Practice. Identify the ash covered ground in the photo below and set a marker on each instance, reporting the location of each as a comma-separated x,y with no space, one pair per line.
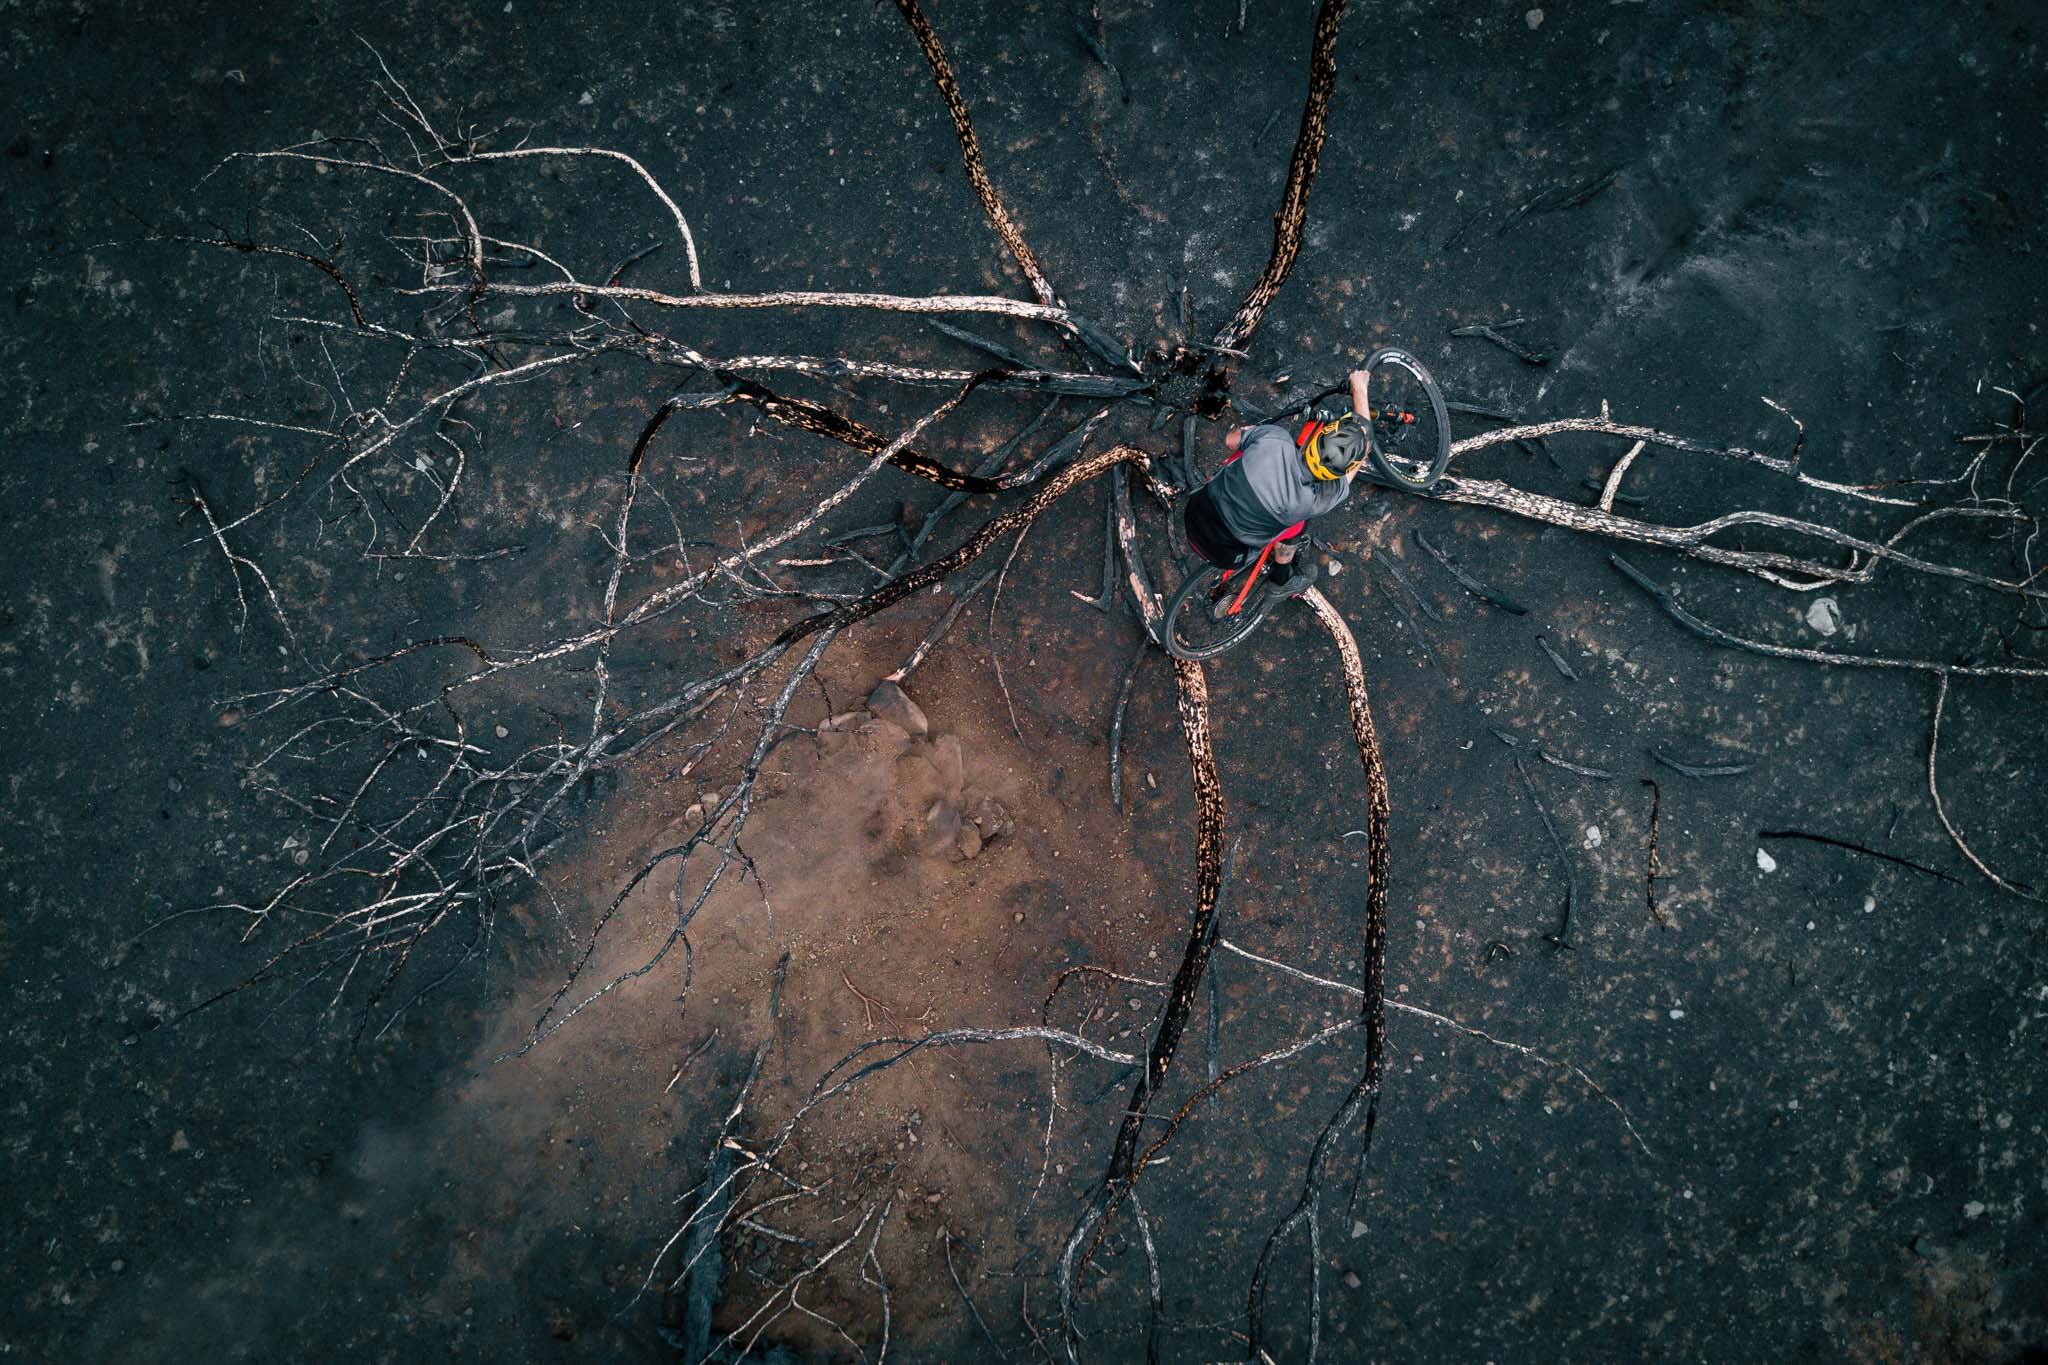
1830,1061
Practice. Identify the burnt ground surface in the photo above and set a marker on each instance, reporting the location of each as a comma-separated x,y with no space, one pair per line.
1835,1064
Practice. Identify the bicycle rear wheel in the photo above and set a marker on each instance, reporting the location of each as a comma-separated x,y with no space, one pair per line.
1410,429
1196,624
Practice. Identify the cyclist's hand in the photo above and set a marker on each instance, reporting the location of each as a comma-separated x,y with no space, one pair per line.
1361,385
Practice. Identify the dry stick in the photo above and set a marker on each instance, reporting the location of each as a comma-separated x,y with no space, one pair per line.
1068,321
1606,425
1715,635
1107,595
1557,660
1393,570
1152,1295
1564,858
682,224
1613,484
472,235
1301,174
327,268
1063,383
880,1282
946,1240
1116,727
980,343
806,415
970,152
1857,848
1373,985
1150,614
1213,1042
1650,872
1771,566
995,655
924,646
1581,769
1712,769
1933,790
1466,580
1456,1025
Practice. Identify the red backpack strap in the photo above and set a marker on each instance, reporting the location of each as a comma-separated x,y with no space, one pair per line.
1307,431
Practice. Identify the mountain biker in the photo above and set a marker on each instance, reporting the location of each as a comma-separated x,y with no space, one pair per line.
1270,487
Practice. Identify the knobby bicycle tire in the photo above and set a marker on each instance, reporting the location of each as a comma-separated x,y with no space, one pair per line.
1386,470
1196,590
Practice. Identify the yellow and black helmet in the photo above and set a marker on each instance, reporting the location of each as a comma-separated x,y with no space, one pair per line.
1334,448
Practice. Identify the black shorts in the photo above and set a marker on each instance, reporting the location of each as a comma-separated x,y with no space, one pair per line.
1210,537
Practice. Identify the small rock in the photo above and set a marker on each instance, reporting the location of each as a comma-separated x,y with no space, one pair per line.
934,1197
708,798
694,815
947,758
1765,862
1351,1279
1358,1229
1824,615
993,820
1594,837
1534,19
1016,917
969,841
118,1265
179,1142
891,703
561,1326
845,720
500,731
1973,1209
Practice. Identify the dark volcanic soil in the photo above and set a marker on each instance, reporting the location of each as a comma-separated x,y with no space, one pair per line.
1833,1062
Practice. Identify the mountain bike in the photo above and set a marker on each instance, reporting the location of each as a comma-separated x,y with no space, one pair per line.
1408,447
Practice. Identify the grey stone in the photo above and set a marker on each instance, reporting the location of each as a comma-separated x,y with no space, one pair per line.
891,703
993,821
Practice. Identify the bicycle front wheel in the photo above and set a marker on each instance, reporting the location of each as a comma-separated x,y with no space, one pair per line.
1410,429
1198,621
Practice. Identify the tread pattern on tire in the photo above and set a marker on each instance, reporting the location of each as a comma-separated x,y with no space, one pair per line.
1255,615
1384,468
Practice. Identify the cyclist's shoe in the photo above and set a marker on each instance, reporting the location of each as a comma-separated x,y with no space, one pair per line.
1302,579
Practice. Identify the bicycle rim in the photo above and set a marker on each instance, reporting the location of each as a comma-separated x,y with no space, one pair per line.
1411,429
